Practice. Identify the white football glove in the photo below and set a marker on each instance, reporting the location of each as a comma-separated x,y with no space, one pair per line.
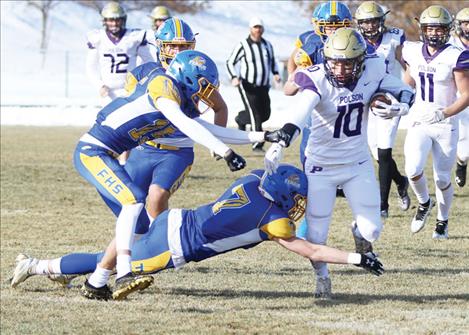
386,111
435,117
273,156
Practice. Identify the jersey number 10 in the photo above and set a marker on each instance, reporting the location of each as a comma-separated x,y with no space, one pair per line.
343,120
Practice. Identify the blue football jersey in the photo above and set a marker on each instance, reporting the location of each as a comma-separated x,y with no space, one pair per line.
240,218
129,121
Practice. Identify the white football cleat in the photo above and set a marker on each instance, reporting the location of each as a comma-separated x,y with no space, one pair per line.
441,230
23,267
421,217
323,288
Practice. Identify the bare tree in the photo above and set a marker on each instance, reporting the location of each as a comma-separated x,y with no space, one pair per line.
178,6
45,7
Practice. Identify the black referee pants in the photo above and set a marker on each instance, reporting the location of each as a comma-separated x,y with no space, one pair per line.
256,102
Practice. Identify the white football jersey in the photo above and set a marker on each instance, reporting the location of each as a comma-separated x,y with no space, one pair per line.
435,87
339,120
386,48
456,41
114,58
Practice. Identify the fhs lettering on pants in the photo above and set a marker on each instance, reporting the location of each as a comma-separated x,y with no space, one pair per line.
111,183
108,179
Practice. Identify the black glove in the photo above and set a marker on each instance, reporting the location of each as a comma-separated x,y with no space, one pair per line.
234,161
284,134
371,263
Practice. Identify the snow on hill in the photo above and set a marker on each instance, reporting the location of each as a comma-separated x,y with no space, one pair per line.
61,85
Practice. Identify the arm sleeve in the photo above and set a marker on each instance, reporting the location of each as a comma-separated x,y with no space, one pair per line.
306,101
234,58
232,136
188,126
92,68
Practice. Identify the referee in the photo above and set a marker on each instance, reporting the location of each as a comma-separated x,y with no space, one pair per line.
256,58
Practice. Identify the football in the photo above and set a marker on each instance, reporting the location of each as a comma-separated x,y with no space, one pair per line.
379,96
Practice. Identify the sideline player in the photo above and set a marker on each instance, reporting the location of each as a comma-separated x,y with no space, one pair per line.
437,70
386,42
113,51
255,208
461,39
336,95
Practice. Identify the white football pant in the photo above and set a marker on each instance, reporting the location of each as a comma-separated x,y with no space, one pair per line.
441,139
362,191
381,133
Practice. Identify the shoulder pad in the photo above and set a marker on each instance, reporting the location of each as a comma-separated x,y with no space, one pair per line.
162,86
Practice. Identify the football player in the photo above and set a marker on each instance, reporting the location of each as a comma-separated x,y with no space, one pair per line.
335,95
327,18
437,70
161,170
158,15
255,208
386,42
113,51
461,39
164,109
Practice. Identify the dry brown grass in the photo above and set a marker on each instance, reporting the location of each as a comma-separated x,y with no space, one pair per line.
48,210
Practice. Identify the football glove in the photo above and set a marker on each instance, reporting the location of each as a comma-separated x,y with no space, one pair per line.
435,117
273,156
284,134
371,263
386,111
235,162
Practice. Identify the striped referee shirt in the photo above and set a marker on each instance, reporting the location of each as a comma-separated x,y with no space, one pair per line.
257,61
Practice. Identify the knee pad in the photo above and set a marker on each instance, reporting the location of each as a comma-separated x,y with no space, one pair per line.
442,183
369,229
317,232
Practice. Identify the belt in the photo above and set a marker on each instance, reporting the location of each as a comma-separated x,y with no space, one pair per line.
162,146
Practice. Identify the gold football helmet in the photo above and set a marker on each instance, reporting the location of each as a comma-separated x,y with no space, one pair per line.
435,16
344,55
370,18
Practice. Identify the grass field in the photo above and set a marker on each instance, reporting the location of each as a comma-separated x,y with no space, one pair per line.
47,210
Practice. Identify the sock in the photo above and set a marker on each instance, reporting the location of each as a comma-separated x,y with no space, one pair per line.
384,173
123,266
444,200
54,266
99,277
125,227
41,268
321,269
420,189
